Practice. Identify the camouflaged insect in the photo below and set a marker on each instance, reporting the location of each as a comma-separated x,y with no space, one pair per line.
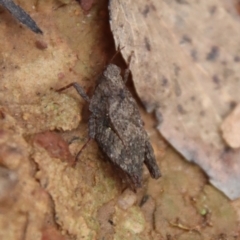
116,125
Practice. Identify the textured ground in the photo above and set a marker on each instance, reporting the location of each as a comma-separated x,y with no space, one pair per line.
41,195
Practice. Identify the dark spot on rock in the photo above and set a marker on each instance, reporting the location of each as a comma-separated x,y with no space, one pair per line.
226,149
176,69
193,98
194,54
164,81
185,39
177,88
224,63
213,54
212,9
182,1
146,11
152,7
216,80
147,44
237,59
232,104
227,73
176,128
202,113
181,109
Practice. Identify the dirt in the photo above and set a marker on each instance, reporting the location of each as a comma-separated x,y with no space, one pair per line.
51,199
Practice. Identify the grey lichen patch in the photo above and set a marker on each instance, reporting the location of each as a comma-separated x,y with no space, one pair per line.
52,111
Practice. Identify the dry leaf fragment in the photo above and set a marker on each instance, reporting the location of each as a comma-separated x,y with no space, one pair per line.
186,69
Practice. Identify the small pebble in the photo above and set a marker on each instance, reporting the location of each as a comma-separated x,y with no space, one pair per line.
127,199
